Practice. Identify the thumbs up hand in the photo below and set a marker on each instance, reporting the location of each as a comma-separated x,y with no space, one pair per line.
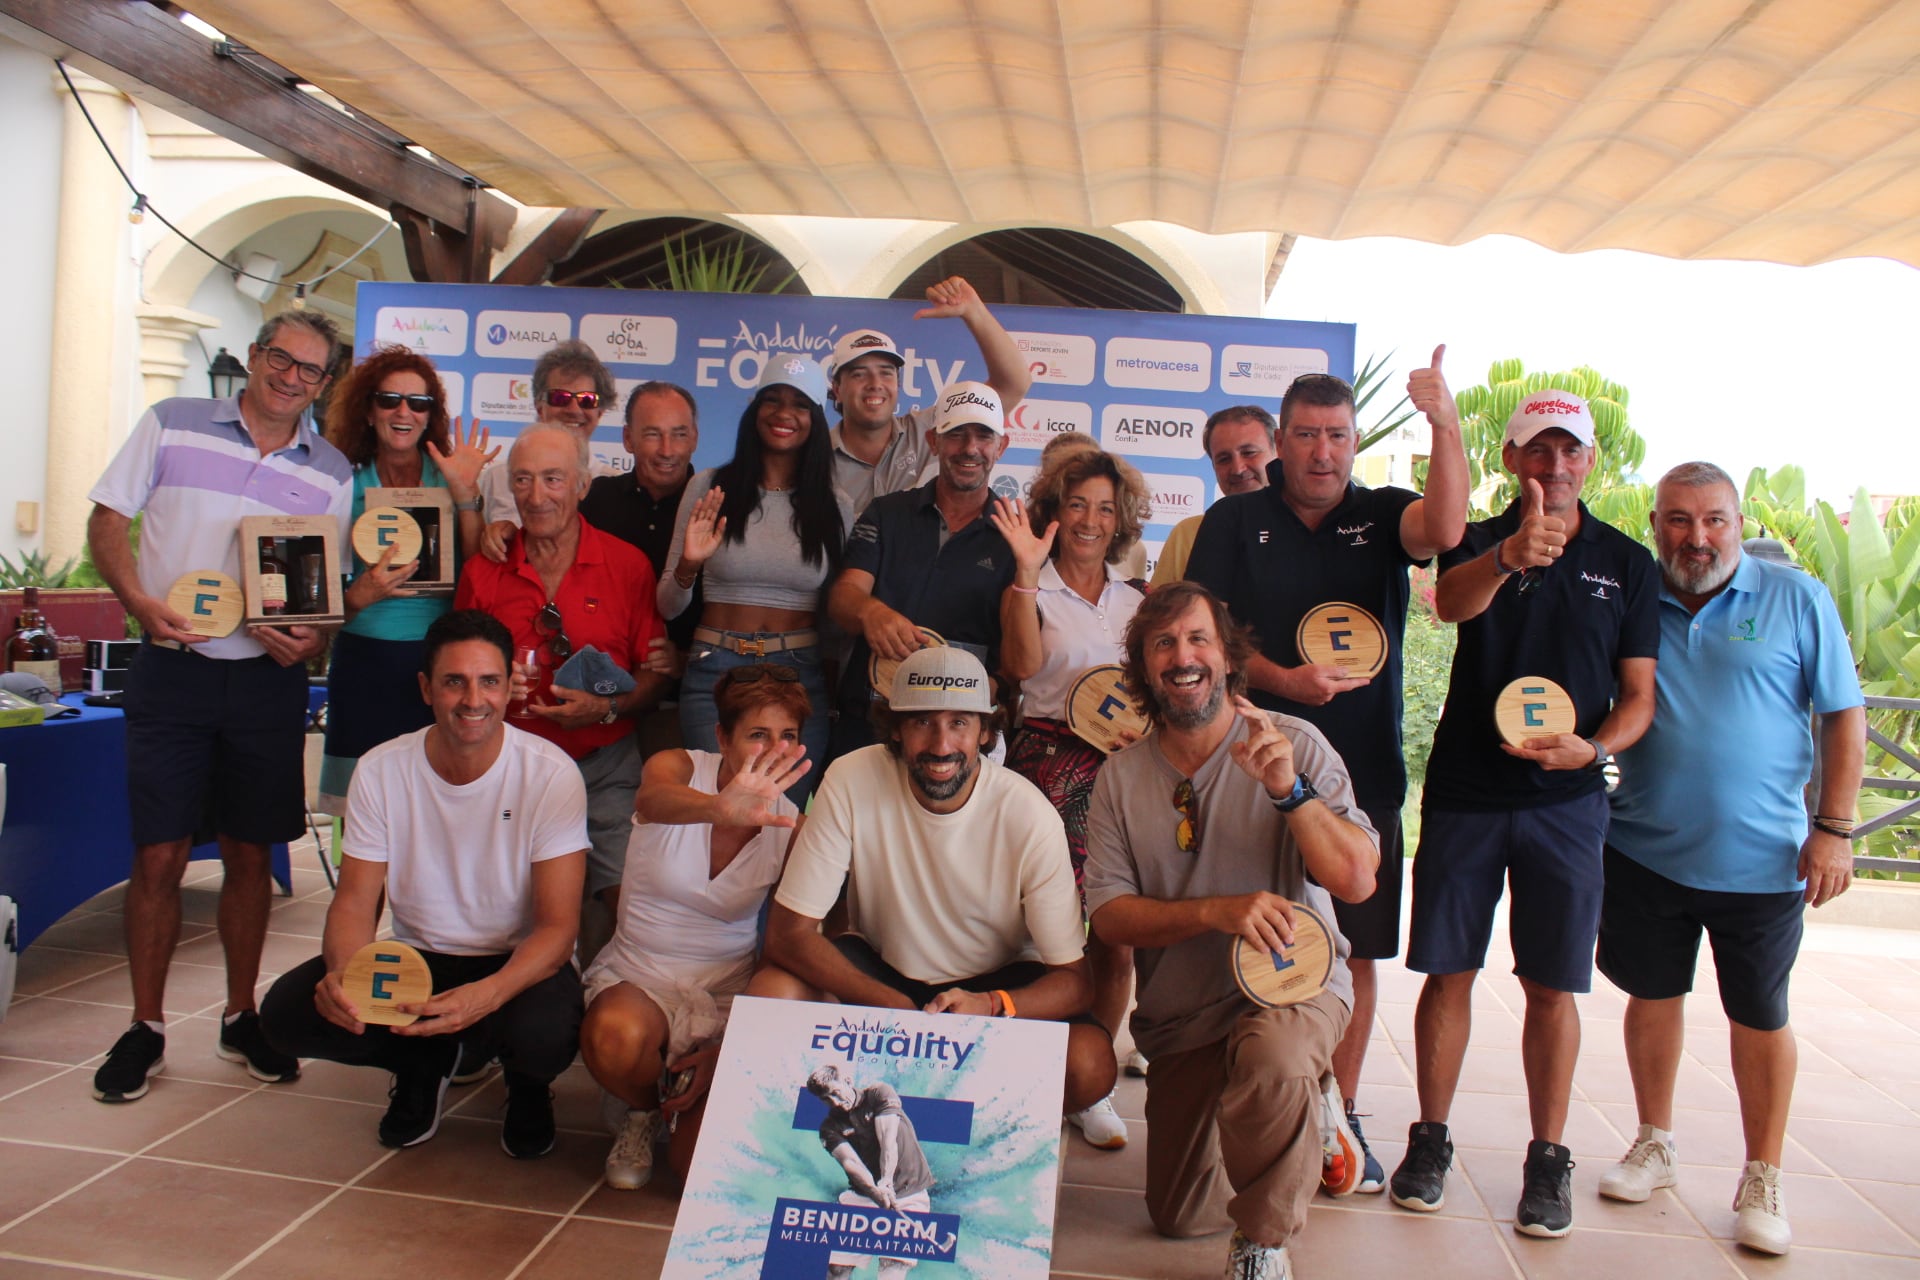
1540,539
1427,389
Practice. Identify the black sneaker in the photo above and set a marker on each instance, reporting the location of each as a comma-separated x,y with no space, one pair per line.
1420,1183
1546,1196
413,1104
242,1040
528,1131
1373,1179
140,1052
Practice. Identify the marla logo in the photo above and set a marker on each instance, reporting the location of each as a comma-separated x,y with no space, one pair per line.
1554,406
917,681
499,333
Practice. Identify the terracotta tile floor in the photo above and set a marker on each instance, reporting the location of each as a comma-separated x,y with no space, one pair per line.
212,1175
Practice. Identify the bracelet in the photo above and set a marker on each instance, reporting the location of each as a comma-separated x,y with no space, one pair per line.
1848,823
683,585
1499,565
1845,833
1025,591
1006,1004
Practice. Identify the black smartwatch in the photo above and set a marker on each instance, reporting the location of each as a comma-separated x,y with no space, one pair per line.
1601,756
1302,792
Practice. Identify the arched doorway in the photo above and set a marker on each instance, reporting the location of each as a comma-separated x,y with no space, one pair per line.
634,255
1049,267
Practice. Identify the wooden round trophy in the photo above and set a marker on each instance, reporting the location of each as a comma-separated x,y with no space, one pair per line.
1343,635
209,600
1532,707
880,670
1275,979
383,527
1099,708
384,974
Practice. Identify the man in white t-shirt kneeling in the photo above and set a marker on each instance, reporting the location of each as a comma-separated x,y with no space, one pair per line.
478,833
960,894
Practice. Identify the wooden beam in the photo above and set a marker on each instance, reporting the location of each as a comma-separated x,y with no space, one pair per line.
559,241
455,255
149,55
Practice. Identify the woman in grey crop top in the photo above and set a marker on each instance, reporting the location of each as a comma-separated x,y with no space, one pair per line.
766,532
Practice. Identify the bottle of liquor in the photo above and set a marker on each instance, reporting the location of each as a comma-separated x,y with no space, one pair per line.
273,578
33,648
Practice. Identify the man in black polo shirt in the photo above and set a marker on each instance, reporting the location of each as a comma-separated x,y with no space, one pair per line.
1543,589
1312,537
662,431
926,557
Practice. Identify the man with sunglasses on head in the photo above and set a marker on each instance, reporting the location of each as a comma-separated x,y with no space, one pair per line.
1312,537
1213,828
215,727
1544,591
876,448
566,586
571,389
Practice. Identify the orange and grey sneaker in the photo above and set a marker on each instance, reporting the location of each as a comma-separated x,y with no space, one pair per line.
1342,1161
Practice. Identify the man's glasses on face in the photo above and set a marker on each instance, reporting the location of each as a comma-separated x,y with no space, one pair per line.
281,361
548,620
587,400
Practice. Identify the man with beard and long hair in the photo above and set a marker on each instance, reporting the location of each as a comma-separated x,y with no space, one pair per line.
1208,829
1749,651
960,896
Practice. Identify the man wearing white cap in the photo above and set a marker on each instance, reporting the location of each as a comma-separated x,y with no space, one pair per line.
927,557
876,448
959,890
1547,592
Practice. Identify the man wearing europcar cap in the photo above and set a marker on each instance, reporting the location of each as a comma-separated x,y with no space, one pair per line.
926,557
1546,590
876,448
960,897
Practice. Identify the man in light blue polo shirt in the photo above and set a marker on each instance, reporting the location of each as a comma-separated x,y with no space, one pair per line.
1710,829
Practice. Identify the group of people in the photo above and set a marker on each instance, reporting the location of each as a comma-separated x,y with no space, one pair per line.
797,727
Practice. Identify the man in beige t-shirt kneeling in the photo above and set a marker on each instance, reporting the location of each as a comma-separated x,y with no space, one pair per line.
960,896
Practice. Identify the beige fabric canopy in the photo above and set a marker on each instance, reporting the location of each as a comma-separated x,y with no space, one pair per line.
1771,129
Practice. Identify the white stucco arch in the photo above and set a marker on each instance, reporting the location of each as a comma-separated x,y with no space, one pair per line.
771,231
174,269
1196,290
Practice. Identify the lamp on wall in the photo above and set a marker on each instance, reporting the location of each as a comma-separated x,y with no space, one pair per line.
225,375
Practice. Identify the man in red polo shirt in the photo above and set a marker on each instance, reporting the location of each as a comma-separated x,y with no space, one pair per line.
564,586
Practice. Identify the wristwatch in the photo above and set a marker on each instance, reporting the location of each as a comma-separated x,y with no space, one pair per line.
613,711
1303,791
1601,756
472,504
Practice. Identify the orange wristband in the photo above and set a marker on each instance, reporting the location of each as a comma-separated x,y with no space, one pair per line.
1006,1004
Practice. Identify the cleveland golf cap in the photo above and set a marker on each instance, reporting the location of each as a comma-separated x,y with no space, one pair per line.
786,369
969,404
1550,408
863,342
941,678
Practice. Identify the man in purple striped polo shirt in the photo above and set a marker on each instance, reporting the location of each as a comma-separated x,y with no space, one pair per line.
215,728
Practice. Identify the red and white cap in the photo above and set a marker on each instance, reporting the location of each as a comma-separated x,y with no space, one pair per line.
1547,409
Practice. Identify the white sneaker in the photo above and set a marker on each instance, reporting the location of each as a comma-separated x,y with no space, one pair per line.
1760,1220
1100,1125
1135,1065
613,1114
1647,1167
1249,1261
630,1163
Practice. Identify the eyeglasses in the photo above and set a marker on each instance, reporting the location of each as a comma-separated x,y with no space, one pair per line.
763,671
1529,579
393,400
1187,834
311,374
548,619
587,400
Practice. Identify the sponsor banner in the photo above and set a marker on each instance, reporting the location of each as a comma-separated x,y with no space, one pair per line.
1153,550
1159,364
1012,480
1031,423
1131,379
1157,431
974,1146
1175,497
456,387
1265,373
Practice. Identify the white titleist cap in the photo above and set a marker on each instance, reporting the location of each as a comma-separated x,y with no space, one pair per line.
969,404
941,678
1550,408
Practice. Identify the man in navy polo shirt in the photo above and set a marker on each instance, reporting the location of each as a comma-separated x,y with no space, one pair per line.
926,557
1311,537
1543,590
1748,651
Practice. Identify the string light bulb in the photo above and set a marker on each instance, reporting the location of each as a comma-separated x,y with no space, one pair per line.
299,297
138,214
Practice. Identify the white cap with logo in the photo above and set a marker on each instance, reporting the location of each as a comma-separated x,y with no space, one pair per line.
969,404
862,342
941,678
1547,409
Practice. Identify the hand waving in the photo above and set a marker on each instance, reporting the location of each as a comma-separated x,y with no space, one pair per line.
752,795
1030,552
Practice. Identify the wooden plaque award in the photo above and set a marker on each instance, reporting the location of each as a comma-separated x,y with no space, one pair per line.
209,600
880,670
1276,979
1099,708
1532,707
383,974
1343,635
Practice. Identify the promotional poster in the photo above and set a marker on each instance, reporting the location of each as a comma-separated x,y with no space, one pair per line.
848,1137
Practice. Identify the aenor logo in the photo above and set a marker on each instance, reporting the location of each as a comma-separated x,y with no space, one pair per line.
1160,431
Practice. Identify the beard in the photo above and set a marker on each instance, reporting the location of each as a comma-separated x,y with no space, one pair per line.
1698,579
1191,715
937,788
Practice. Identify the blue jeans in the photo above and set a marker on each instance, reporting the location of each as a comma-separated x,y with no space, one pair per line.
699,717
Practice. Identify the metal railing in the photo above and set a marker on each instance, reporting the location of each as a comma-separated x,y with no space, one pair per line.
1901,815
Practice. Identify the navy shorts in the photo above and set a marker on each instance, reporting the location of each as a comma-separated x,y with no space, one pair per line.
1372,928
1650,941
1550,857
215,747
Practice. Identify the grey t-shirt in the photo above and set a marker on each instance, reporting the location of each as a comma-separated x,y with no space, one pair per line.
901,463
765,568
1187,996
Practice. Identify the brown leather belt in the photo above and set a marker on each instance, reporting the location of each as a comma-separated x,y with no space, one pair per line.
757,646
